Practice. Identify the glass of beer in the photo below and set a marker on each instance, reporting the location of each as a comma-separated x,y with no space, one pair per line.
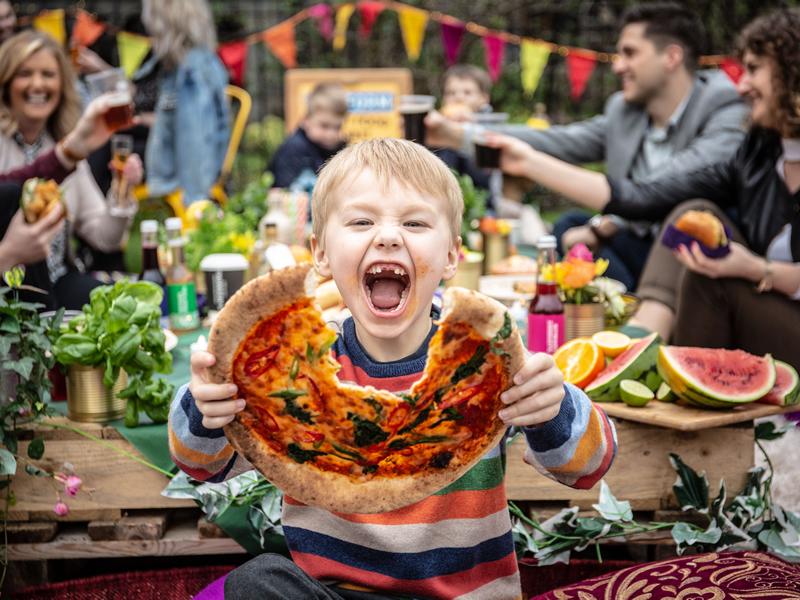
121,202
112,81
413,108
487,157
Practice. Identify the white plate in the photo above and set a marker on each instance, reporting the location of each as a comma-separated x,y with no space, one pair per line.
171,340
501,287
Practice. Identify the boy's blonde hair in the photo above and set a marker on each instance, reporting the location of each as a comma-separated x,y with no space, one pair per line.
330,97
390,160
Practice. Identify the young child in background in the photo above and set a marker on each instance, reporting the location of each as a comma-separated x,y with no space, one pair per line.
317,138
391,203
466,87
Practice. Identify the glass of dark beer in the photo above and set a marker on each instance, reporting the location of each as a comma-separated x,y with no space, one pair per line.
413,109
487,157
113,82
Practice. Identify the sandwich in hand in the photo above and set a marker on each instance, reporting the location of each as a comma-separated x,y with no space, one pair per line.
39,197
698,226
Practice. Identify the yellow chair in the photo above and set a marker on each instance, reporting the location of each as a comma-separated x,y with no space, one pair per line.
236,96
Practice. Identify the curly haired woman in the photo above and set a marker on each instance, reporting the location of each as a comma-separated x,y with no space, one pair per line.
749,299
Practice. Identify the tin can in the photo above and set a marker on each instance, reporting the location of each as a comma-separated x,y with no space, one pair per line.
88,400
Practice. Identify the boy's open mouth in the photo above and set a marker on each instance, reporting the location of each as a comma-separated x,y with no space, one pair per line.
386,286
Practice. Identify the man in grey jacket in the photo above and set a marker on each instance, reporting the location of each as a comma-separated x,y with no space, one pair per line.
667,119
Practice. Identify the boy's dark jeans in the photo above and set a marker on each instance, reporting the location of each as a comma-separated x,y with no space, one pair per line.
275,577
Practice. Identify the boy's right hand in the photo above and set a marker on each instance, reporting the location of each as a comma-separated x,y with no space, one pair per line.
214,400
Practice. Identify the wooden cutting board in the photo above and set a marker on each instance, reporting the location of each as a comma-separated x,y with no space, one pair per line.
685,418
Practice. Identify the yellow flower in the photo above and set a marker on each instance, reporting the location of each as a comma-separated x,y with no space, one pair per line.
600,266
243,242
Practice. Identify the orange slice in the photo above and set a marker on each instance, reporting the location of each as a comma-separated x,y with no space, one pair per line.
611,343
580,360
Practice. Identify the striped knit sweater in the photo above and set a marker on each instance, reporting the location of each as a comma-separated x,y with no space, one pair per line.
456,543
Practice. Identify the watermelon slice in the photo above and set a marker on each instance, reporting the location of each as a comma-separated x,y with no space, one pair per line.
786,390
631,364
714,377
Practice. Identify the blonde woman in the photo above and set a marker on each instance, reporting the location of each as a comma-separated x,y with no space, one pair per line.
188,140
38,107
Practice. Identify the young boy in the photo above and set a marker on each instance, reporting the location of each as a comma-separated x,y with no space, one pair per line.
392,203
317,139
468,86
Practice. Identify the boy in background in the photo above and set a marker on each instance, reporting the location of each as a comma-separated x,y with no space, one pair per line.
391,203
318,137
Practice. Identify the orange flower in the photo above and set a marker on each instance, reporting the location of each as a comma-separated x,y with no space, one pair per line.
578,273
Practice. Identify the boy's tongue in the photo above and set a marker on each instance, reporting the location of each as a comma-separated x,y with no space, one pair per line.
386,292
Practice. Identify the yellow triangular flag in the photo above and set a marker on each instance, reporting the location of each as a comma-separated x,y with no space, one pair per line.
132,50
533,59
343,14
51,22
412,26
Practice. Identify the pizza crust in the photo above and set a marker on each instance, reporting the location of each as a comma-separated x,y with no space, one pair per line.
305,482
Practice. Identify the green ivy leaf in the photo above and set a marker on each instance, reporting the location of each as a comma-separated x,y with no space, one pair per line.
690,489
610,508
687,535
36,448
23,366
768,431
8,464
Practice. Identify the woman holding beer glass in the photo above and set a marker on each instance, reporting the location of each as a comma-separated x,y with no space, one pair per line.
38,106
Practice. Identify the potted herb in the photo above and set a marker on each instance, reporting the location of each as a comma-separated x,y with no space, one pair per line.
25,359
112,350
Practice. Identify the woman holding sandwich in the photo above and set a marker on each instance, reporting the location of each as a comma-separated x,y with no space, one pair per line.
750,298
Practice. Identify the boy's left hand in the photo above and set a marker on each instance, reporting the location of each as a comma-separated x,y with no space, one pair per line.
536,395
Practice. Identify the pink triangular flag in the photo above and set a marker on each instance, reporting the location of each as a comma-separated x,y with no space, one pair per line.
369,12
452,32
732,68
579,69
323,16
494,47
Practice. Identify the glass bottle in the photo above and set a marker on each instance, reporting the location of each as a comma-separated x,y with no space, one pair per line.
546,311
284,225
150,269
277,255
181,292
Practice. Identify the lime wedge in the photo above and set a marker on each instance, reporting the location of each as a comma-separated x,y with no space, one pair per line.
634,393
664,393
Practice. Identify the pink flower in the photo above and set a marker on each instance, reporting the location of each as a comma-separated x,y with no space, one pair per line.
61,509
580,252
72,485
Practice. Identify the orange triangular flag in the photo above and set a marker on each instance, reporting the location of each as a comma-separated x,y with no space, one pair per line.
280,41
86,29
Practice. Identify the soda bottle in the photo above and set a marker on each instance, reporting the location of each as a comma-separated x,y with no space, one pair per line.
546,311
150,269
181,292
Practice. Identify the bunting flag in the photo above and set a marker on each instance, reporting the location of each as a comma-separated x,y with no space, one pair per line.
280,41
533,59
234,56
323,16
494,47
369,12
452,32
343,14
579,69
732,68
412,27
86,29
51,22
132,49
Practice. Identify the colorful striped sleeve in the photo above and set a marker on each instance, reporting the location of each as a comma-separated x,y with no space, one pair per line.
202,453
576,447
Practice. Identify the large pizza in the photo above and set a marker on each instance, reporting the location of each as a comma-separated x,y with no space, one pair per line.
349,448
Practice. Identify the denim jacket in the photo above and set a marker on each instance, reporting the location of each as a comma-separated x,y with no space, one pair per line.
187,143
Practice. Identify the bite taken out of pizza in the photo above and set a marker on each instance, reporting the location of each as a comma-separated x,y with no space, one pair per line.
358,449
